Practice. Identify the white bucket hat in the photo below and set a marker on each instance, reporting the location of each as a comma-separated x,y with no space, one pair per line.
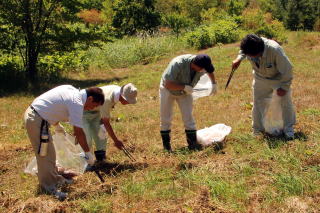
129,92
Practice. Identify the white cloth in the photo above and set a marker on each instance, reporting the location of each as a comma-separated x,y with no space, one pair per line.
63,103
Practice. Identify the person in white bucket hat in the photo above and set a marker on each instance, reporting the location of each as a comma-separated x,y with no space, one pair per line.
92,119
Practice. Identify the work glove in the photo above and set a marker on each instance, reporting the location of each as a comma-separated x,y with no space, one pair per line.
59,129
89,158
214,89
188,89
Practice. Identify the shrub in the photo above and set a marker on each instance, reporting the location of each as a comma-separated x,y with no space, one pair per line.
176,22
252,18
199,38
56,65
92,16
224,31
275,31
12,74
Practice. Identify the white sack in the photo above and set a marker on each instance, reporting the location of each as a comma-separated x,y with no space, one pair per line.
202,88
272,120
68,155
213,134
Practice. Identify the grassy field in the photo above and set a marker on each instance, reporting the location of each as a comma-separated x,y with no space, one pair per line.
248,175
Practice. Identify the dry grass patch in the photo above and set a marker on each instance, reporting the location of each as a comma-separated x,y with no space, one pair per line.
247,175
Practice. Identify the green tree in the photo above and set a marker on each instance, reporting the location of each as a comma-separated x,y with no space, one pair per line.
131,16
176,22
35,27
301,14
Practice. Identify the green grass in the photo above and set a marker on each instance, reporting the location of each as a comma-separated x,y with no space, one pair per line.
248,175
130,51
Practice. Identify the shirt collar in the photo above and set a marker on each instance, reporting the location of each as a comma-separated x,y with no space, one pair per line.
83,94
116,94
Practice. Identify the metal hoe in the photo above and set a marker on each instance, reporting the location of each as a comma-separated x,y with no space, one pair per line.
127,153
230,76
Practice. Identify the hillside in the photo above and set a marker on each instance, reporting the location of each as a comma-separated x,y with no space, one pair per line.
248,175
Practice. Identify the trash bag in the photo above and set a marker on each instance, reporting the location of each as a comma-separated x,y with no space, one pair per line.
68,155
202,88
272,118
213,134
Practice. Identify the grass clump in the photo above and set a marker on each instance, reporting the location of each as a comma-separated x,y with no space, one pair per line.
133,50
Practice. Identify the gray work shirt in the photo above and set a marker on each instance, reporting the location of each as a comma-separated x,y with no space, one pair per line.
179,71
272,65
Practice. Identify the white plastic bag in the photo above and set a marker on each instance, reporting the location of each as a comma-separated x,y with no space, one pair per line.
202,88
272,119
68,155
213,134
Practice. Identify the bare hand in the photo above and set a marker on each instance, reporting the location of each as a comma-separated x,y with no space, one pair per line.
118,144
281,92
236,63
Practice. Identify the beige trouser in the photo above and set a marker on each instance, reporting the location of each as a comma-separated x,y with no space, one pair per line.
185,103
47,172
262,89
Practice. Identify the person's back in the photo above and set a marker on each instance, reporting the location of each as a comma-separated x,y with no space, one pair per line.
56,104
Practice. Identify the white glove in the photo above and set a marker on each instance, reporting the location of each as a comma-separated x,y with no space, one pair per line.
214,89
188,89
89,158
59,128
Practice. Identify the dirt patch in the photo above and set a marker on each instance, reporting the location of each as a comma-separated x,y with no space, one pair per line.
38,205
295,204
313,161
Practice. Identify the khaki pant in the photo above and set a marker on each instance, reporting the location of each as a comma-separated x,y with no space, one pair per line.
47,172
262,89
185,103
91,126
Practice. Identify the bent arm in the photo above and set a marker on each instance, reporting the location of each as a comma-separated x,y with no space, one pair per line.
81,138
107,125
212,78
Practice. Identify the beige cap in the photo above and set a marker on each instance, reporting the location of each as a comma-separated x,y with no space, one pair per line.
129,92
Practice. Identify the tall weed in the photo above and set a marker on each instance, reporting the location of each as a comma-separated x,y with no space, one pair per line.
133,50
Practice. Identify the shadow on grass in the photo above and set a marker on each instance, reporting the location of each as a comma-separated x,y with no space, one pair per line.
216,147
277,141
10,88
114,169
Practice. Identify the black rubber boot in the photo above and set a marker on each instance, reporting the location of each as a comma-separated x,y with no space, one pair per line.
100,155
165,135
192,140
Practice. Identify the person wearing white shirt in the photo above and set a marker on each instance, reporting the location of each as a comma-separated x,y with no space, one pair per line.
60,104
127,94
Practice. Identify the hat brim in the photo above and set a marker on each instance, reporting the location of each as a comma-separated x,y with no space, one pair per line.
130,101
